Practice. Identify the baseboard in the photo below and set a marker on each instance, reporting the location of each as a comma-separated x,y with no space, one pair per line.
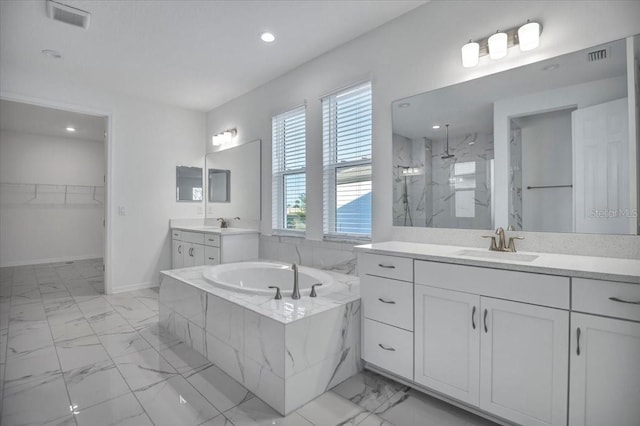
49,260
132,287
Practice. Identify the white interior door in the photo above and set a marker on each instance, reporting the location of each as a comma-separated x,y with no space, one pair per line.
601,181
447,342
605,372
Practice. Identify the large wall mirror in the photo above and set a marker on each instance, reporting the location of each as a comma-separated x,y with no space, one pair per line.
233,183
189,183
548,147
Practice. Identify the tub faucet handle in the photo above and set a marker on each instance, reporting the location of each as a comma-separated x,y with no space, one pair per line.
313,290
278,296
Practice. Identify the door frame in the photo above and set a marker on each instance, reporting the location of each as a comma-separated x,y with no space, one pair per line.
108,167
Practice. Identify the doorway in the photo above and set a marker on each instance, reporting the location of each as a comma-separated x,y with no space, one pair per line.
53,195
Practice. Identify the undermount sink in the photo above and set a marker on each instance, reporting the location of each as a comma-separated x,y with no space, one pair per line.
498,255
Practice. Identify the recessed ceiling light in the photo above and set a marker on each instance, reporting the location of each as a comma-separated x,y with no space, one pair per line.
267,37
436,126
71,129
404,105
551,67
52,54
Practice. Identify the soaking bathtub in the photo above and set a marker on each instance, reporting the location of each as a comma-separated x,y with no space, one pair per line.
287,352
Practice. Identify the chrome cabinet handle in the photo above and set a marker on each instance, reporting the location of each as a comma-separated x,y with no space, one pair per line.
486,329
390,302
382,265
578,341
278,296
631,302
473,318
191,252
180,249
212,258
386,348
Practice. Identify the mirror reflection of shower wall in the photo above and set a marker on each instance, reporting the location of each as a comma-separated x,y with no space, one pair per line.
441,192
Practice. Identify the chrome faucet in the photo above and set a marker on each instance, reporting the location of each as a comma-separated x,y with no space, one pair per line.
223,222
501,244
296,288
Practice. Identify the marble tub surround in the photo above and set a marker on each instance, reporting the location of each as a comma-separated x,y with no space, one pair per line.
604,268
326,255
286,352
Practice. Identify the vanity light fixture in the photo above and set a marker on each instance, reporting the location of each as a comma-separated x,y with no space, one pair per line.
497,45
470,54
223,137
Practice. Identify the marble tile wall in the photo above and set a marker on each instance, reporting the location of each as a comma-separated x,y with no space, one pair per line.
284,364
515,179
412,154
327,255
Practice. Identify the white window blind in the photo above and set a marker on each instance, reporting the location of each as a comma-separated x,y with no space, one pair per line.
289,206
346,138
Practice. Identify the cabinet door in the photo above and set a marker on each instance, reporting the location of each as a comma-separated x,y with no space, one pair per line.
197,252
523,362
447,342
605,371
177,260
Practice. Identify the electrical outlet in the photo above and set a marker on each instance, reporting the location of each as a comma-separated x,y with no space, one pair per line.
199,210
122,211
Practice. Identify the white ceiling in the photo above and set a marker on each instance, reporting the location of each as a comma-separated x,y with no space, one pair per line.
192,54
19,117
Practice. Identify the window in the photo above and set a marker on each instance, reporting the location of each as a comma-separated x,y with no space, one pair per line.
346,138
289,202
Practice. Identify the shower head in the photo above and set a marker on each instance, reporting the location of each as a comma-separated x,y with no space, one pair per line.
446,155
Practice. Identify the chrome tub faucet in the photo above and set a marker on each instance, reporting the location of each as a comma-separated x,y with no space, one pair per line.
296,287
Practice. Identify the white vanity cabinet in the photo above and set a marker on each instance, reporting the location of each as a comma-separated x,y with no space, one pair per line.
605,354
193,248
386,289
507,357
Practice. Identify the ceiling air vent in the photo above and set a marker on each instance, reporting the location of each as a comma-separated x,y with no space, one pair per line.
598,55
70,15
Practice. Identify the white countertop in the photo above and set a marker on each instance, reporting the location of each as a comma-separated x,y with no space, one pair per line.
345,289
603,268
216,230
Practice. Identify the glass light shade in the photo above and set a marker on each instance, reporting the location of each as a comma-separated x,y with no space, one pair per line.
498,46
470,54
529,36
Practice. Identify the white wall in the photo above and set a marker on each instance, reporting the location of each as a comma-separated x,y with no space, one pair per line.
547,160
417,52
147,141
47,229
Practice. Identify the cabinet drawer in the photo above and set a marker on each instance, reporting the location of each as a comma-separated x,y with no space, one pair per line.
388,301
211,255
594,296
399,268
527,287
212,240
388,347
193,237
176,235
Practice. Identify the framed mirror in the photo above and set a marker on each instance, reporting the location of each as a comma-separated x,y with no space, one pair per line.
219,184
547,147
239,196
189,184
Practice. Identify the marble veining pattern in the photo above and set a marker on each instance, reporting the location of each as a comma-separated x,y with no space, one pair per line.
35,390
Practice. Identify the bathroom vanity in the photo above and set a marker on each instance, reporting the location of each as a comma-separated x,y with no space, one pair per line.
199,245
530,338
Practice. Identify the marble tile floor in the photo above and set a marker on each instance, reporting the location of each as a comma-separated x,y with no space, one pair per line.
71,355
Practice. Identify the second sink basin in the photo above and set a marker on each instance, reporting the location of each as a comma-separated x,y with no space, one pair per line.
498,255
